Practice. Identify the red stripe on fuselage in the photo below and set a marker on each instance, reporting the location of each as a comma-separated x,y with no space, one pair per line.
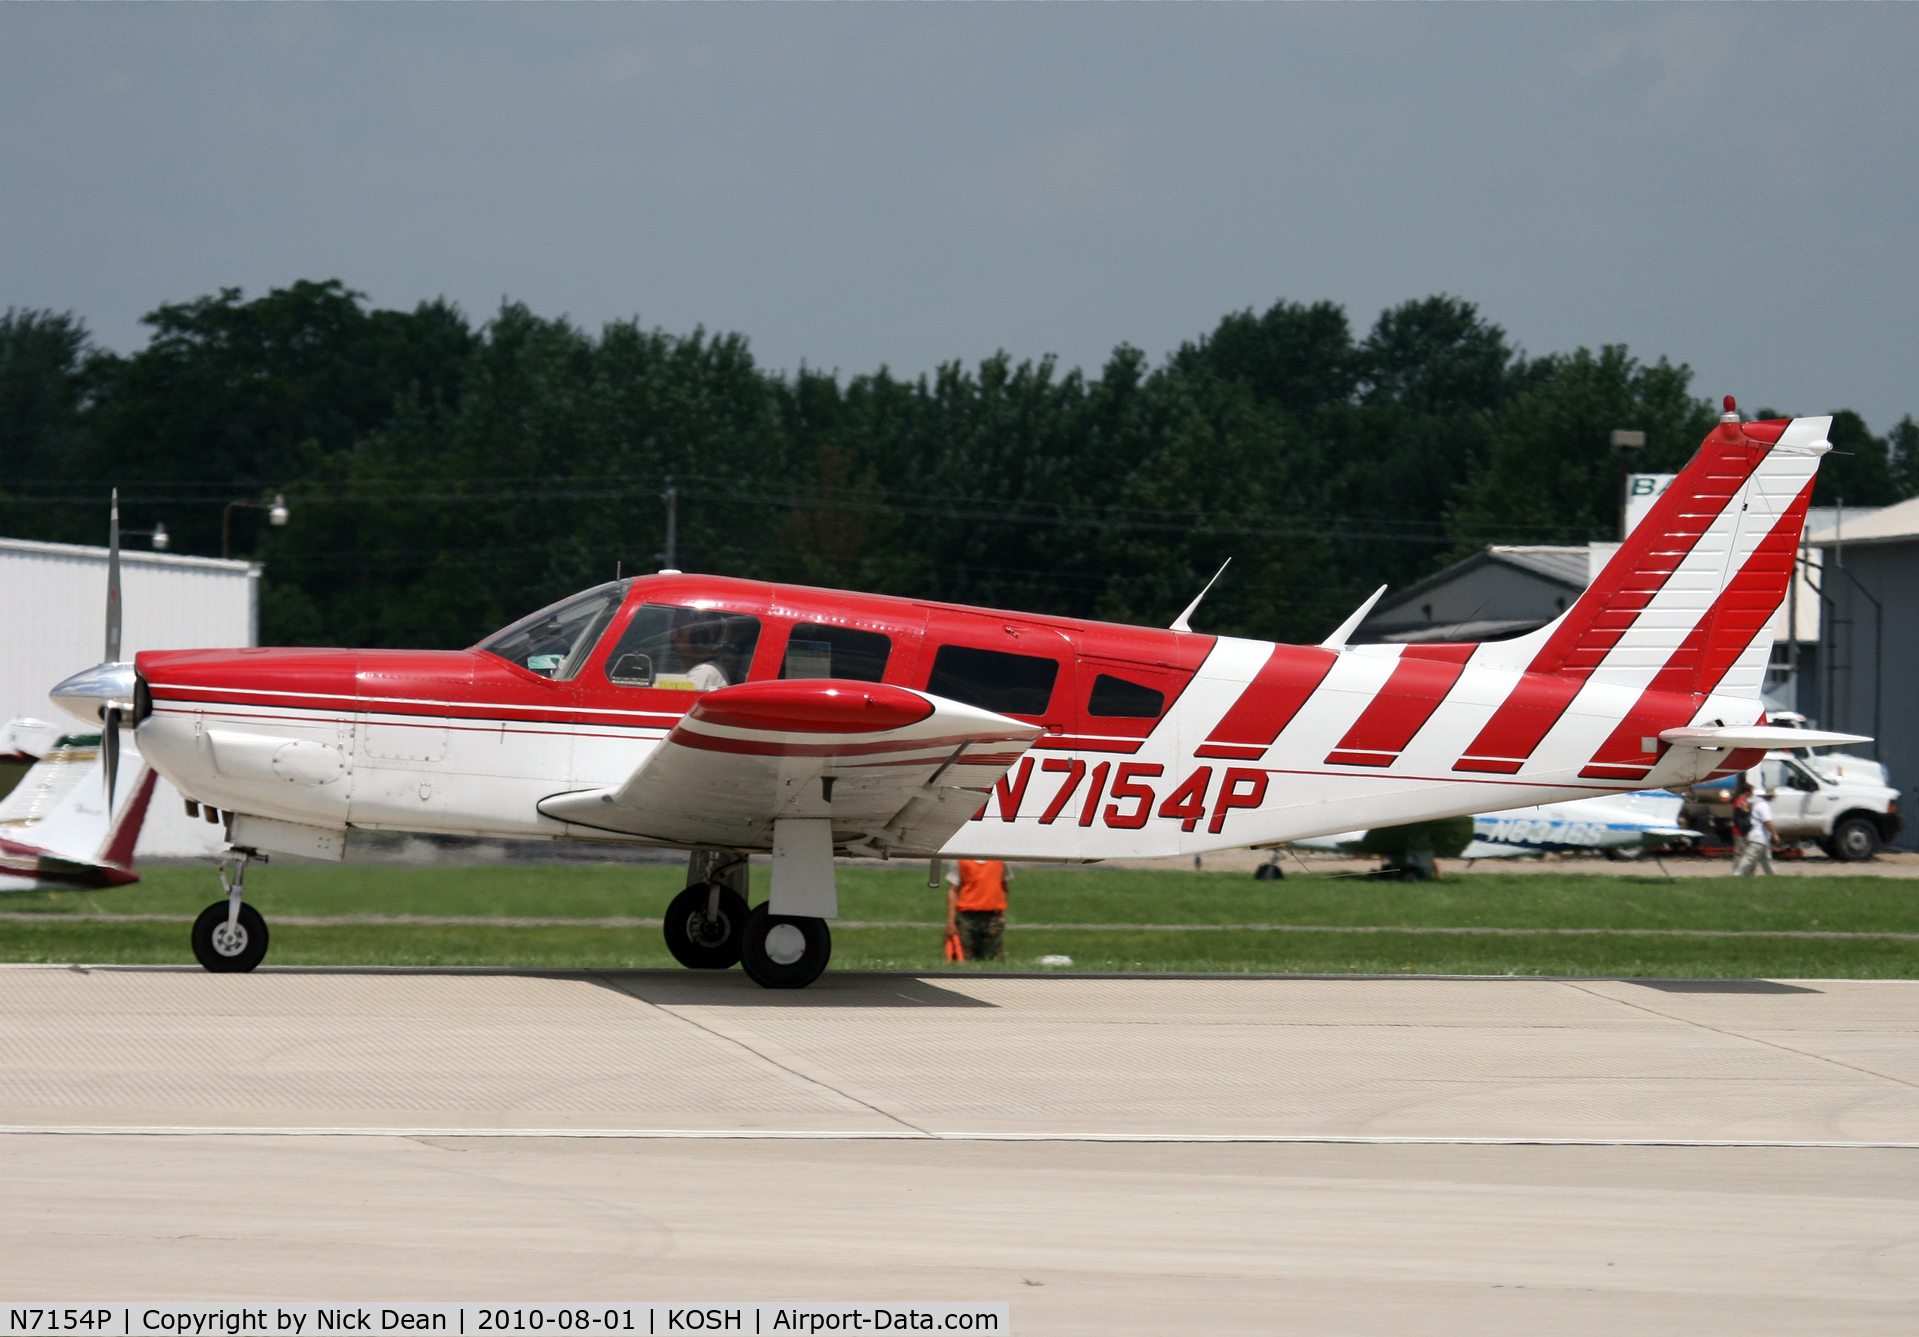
1610,606
1419,682
1710,649
1291,674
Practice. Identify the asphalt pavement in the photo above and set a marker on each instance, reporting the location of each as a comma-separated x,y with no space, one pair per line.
1107,1154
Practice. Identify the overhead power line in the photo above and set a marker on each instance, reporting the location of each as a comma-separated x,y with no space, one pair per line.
972,509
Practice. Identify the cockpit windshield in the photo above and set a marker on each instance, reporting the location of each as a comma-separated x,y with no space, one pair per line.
556,640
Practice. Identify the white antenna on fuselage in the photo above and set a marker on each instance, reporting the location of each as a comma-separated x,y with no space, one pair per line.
1337,641
1183,621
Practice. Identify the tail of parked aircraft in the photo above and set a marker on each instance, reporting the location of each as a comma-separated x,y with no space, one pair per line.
1683,611
57,830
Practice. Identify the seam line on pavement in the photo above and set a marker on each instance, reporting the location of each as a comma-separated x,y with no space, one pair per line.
929,1135
1750,1039
738,1043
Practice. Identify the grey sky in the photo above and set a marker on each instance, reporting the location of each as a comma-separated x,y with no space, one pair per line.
1733,186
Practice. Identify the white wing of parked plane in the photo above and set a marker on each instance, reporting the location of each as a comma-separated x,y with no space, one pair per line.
892,770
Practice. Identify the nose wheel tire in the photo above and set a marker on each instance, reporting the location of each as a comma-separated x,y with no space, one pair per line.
703,941
784,951
225,951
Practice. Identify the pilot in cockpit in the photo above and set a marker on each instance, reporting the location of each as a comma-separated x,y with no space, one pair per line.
698,643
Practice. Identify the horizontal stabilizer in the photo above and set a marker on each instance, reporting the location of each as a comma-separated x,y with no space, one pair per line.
1767,736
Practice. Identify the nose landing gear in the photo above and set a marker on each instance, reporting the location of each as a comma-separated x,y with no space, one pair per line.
230,936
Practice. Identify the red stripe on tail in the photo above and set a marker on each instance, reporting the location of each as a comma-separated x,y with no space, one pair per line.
1610,606
1420,681
1710,649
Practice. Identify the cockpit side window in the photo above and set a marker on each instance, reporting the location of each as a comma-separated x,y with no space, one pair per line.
689,649
555,641
815,650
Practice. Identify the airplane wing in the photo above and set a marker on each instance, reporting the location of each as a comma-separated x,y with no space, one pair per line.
897,771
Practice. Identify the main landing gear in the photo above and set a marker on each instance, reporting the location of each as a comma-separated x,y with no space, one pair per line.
706,923
709,927
231,936
784,951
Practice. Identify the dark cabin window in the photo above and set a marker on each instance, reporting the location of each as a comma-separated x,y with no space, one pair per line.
1117,698
818,651
993,680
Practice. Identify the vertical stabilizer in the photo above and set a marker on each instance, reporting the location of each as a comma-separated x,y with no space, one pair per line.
59,807
1685,606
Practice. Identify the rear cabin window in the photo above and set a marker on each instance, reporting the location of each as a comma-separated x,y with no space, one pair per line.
689,649
993,680
1116,698
818,651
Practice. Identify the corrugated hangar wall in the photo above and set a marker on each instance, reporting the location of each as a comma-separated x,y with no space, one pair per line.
53,602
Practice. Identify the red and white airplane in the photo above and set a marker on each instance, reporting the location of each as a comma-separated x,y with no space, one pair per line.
731,717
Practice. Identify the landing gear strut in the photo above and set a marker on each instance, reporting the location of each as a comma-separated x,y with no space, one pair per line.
708,926
230,936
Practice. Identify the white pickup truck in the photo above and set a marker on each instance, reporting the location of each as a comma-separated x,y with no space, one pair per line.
1840,803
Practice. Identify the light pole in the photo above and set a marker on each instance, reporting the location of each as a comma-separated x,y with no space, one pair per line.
669,560
276,515
1626,441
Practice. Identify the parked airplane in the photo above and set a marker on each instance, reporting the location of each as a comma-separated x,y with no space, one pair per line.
1617,825
58,829
727,717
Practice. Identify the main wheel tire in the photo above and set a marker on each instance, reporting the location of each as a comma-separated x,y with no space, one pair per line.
700,942
224,953
784,951
1855,840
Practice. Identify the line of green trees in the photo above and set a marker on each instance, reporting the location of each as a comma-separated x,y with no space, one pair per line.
444,477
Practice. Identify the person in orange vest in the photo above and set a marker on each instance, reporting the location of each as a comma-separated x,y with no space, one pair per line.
976,907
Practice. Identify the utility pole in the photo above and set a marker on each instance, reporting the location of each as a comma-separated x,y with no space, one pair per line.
1625,442
669,560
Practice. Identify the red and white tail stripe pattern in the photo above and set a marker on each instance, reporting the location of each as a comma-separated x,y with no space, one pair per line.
1688,598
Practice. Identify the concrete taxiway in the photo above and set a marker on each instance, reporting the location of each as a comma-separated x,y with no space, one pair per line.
1108,1154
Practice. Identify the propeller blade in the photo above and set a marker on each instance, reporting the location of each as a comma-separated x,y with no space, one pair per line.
113,582
110,751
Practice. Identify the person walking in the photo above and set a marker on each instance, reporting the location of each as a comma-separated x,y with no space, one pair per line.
1752,821
976,907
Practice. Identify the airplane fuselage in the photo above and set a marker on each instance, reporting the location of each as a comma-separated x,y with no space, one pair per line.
1155,742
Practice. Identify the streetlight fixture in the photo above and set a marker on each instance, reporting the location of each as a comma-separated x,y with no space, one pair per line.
158,534
276,510
1626,441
